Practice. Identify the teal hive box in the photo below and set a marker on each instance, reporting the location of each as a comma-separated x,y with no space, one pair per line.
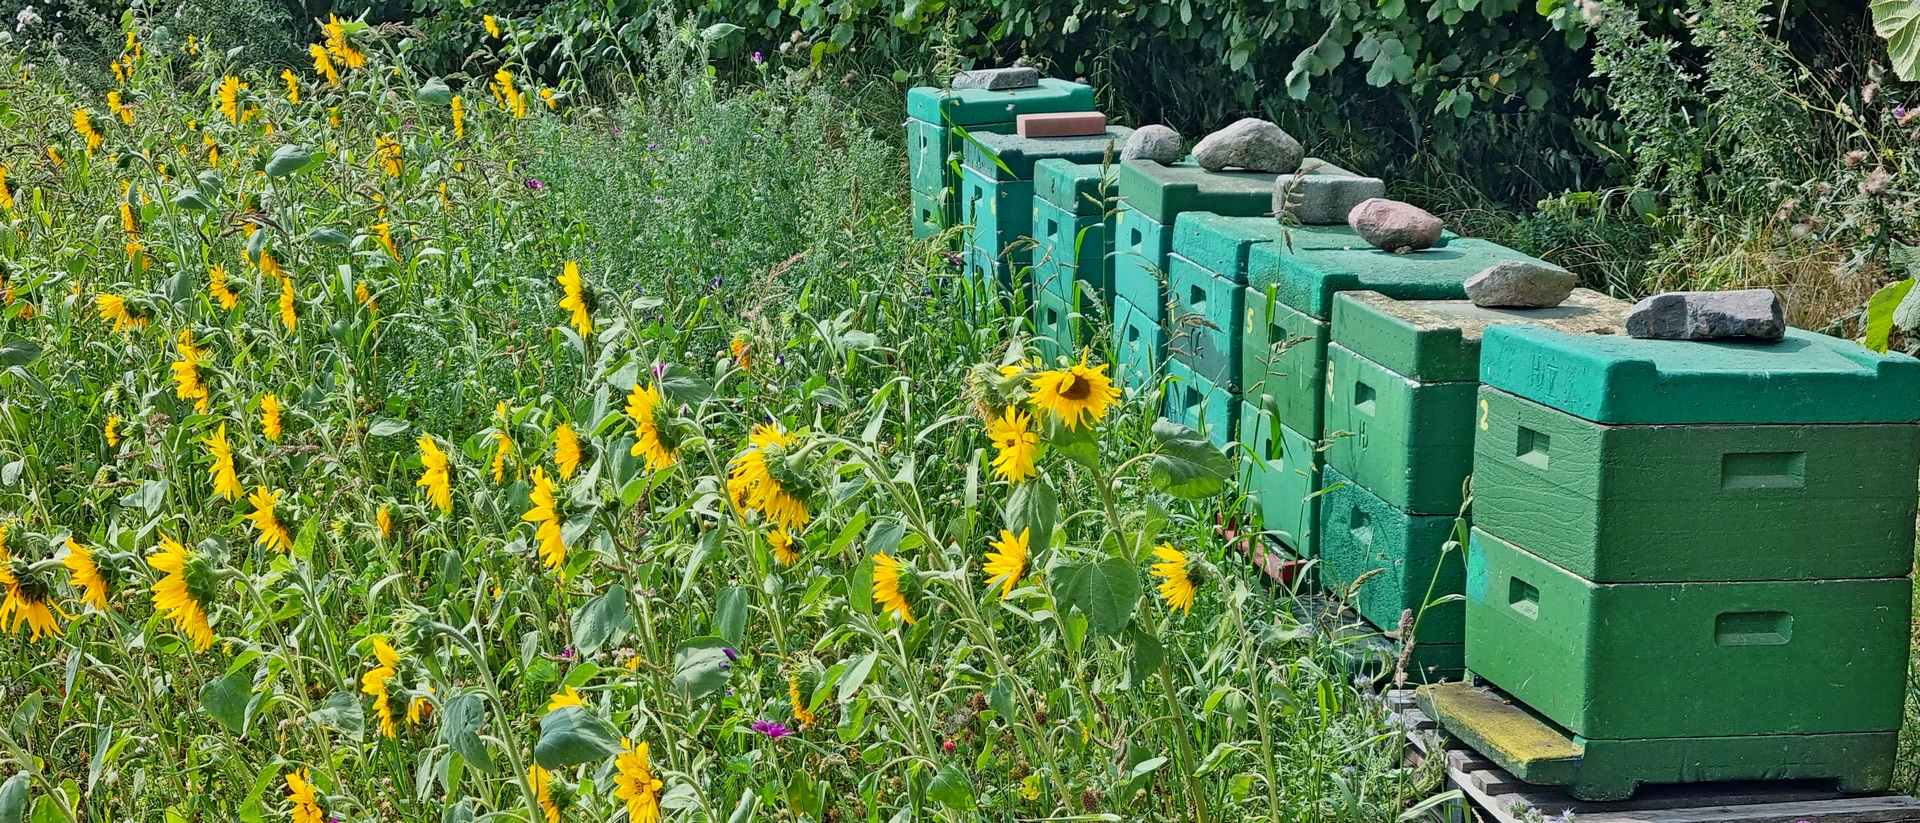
930,156
1224,244
1281,478
1140,247
1079,189
1206,326
1402,385
973,108
1197,403
1059,329
1283,359
1664,503
1139,346
1160,193
1805,378
932,213
1073,232
1003,157
1402,562
1687,660
1307,277
997,192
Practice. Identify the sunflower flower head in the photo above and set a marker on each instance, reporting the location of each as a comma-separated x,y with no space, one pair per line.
226,481
387,683
289,314
266,523
390,155
636,785
654,438
766,477
545,514
340,43
458,109
230,103
217,288
113,431
567,696
186,372
187,583
552,794
801,714
1016,445
1181,575
895,582
26,596
303,798
566,450
434,476
1008,560
85,572
122,313
782,545
323,64
577,298
1078,394
270,423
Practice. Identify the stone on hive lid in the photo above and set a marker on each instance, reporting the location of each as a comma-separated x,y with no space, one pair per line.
1252,144
1394,226
1157,143
1708,315
1520,284
1321,193
1018,77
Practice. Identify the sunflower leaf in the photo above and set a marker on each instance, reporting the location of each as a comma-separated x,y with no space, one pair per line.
226,699
1034,506
601,620
570,736
460,727
13,798
1187,465
702,666
1104,590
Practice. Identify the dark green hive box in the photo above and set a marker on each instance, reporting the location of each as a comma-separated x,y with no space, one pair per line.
1281,478
1059,329
1163,192
1012,157
1206,324
1307,276
998,216
1687,660
1283,359
1406,441
1139,345
1222,244
1401,561
1140,247
1197,403
1072,232
1438,341
1619,504
1805,378
1080,189
972,108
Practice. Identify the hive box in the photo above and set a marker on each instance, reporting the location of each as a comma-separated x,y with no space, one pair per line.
1687,660
1152,196
1402,562
1059,329
1401,387
1281,475
1071,229
997,189
932,115
1282,360
1197,403
1139,345
1785,480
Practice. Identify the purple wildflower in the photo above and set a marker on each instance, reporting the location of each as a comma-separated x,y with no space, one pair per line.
566,653
730,653
773,729
759,58
659,371
535,184
1899,112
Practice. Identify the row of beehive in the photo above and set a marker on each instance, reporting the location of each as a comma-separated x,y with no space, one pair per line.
1692,556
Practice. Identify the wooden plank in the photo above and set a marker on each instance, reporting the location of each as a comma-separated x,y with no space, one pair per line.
1467,761
1888,809
1497,782
1493,807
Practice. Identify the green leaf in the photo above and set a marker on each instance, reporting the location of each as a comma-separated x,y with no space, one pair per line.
324,236
701,666
384,427
1104,590
226,699
435,91
571,735
148,497
1187,465
1880,310
342,713
13,798
1000,698
1148,654
856,675
460,724
952,788
190,200
18,353
600,620
1081,445
288,159
1034,506
1899,22
730,615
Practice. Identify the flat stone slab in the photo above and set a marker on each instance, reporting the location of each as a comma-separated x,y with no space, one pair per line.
1251,144
1017,77
1709,315
1322,194
1520,284
1438,341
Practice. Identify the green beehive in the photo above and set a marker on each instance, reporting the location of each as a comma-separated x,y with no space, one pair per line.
1729,673
1139,345
932,146
997,191
1197,403
1281,478
1060,330
1307,276
1072,227
1401,377
1282,360
1140,248
1400,561
1802,495
1152,195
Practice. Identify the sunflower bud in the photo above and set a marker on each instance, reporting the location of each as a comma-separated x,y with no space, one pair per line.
1200,571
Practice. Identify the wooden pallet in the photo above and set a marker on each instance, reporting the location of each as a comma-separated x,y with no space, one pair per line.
1497,797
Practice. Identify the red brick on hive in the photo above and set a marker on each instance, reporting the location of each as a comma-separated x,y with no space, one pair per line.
1062,124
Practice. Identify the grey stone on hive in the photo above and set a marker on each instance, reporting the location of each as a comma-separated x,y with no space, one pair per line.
1018,77
1252,144
1520,284
1157,143
1394,226
1321,193
1708,315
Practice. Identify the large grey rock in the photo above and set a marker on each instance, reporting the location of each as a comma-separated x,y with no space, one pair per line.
1321,193
1520,284
1018,77
1252,144
1708,315
1395,226
1157,143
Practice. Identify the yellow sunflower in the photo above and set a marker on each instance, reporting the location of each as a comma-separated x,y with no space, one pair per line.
230,89
270,417
375,684
113,308
576,299
364,296
340,44
636,784
293,85
173,594
1018,445
1077,394
565,697
459,109
546,513
434,477
801,714
1008,561
754,486
782,545
1175,586
303,797
186,373
288,315
82,571
323,64
83,126
643,407
383,232
226,481
391,157
887,577
118,104
511,98
492,25
542,783
217,287
383,522
272,534
566,450
113,431
28,599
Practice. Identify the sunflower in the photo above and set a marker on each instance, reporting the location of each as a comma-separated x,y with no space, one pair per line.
113,431
364,296
383,232
230,103
1008,560
306,802
113,308
644,408
383,522
492,25
323,64
458,108
1017,443
566,450
6,194
565,697
128,223
186,373
636,784
226,481
28,599
576,298
82,571
782,545
502,447
293,85
273,535
742,352
83,126
888,574
434,477
391,157
801,714
546,513
1175,585
1076,394
340,44
288,317
270,417
118,104
759,479
217,287
510,97
541,781
181,591
375,684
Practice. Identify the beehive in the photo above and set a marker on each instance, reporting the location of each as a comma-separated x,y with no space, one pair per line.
1152,195
1072,226
932,115
1197,403
1281,478
1386,563
997,192
1139,345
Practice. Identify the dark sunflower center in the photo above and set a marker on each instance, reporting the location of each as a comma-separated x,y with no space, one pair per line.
1075,387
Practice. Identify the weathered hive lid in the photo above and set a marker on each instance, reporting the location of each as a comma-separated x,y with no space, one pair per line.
1078,188
1164,192
1438,341
1220,244
1804,378
1016,154
1308,278
979,107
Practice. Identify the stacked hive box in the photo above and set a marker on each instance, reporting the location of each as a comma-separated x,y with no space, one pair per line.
1072,230
996,195
1402,377
1693,557
932,115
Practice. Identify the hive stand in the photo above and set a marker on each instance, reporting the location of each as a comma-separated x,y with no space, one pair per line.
932,117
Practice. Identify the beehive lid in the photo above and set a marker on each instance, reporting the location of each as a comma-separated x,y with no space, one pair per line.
1438,341
1804,378
1075,187
977,107
1163,192
1016,155
1307,278
1220,244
